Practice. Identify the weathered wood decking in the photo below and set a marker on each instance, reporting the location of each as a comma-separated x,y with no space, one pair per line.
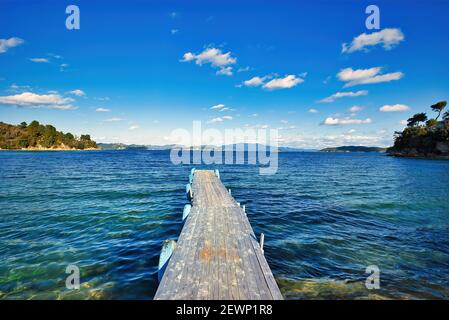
217,256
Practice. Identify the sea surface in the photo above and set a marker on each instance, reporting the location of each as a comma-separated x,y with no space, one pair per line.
326,218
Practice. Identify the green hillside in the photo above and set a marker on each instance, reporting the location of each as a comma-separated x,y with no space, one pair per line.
36,136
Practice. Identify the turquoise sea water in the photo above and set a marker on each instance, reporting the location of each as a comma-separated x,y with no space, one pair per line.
326,217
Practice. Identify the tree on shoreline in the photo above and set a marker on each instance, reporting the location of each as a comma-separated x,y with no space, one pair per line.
429,139
416,119
438,107
36,135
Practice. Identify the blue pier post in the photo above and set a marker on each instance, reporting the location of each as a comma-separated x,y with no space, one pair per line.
167,250
186,211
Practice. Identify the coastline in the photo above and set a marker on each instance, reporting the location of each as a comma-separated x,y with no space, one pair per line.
50,149
418,156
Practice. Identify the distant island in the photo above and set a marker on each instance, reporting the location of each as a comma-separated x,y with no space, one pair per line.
239,146
354,149
424,137
36,136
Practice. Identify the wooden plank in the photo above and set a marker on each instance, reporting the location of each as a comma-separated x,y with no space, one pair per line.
217,255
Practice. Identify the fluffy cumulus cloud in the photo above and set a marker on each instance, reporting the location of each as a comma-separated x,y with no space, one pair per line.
388,38
255,81
330,121
213,56
366,76
226,71
6,44
339,95
33,100
394,108
78,93
289,81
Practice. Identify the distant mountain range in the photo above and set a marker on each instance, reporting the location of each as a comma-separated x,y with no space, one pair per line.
122,146
354,149
245,147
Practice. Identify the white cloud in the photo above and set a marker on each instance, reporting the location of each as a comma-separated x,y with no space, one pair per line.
39,60
102,110
6,44
32,100
213,56
348,74
174,31
366,76
355,109
220,119
403,122
254,81
134,127
339,95
218,106
114,120
329,121
188,56
284,121
377,79
77,92
312,110
287,82
388,38
394,108
227,71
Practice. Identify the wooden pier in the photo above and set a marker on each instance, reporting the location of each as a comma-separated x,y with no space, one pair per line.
217,255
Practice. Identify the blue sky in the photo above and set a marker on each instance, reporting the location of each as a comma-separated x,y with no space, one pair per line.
137,70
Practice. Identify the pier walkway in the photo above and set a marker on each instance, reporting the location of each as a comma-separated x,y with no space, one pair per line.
217,256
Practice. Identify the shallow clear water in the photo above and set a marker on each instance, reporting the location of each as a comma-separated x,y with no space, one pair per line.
326,217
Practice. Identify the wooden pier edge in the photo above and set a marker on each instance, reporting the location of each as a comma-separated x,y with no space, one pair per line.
217,255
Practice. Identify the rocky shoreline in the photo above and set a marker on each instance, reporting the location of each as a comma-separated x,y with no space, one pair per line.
50,149
418,156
